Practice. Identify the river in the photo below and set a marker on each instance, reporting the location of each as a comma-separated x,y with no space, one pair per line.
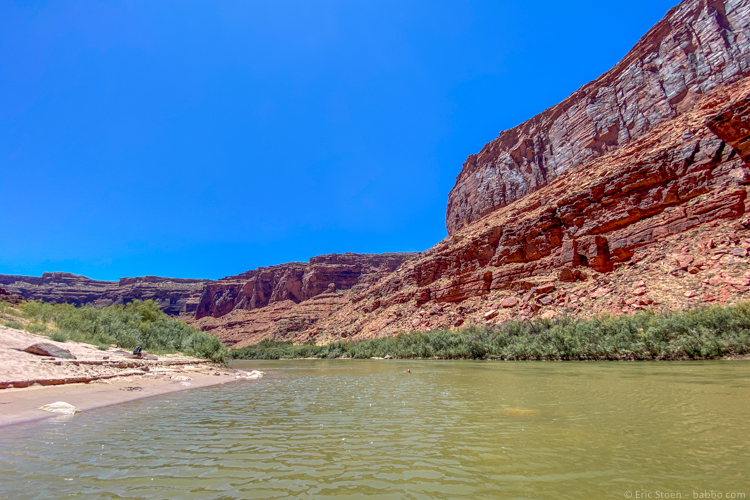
449,429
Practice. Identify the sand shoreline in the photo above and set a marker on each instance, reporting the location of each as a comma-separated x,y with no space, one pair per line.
19,406
93,379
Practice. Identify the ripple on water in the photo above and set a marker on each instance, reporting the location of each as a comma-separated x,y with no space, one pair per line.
447,430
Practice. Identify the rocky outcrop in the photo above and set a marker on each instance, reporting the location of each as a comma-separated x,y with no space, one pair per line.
295,282
10,298
282,320
732,125
175,295
699,45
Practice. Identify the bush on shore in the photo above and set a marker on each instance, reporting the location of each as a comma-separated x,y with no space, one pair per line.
703,333
134,324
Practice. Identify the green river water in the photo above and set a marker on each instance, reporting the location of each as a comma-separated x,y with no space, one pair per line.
449,429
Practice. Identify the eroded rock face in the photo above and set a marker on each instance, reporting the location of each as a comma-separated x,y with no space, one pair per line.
295,282
630,194
175,295
699,45
282,320
11,298
638,205
659,223
732,125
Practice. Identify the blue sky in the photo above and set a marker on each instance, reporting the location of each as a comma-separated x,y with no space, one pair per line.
203,139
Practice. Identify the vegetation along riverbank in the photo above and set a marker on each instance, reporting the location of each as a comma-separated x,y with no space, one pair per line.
138,323
701,333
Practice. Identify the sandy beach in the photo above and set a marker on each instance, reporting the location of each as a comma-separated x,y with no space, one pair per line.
93,379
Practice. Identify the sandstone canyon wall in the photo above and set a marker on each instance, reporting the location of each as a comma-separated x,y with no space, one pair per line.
288,284
630,194
699,45
296,281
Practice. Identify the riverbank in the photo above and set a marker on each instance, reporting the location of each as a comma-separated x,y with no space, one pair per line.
92,379
713,332
22,405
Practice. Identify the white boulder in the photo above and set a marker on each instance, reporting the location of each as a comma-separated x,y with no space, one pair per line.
60,407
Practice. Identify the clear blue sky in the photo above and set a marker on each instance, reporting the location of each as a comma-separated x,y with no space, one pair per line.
203,139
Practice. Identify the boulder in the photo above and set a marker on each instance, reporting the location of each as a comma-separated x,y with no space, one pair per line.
491,314
543,289
683,261
509,302
47,349
60,407
600,292
545,300
569,275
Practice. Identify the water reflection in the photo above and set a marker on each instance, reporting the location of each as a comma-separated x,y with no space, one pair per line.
319,429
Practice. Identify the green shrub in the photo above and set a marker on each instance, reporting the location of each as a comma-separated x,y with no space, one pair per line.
58,337
707,332
36,327
129,326
14,324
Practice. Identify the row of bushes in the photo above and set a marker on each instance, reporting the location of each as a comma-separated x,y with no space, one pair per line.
707,332
134,324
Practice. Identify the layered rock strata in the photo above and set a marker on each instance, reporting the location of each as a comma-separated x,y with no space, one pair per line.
668,209
699,45
175,295
282,320
296,282
630,194
660,223
11,298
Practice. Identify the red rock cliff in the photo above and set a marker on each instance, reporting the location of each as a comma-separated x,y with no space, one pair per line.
295,281
659,223
630,194
698,45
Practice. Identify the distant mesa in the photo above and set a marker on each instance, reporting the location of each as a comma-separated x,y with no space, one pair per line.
257,288
175,295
